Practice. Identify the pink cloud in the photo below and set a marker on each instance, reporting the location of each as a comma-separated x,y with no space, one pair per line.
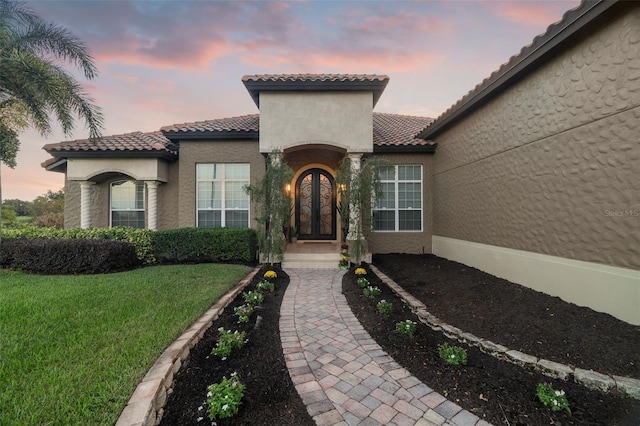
532,13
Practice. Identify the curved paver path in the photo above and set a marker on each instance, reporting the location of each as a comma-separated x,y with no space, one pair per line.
341,373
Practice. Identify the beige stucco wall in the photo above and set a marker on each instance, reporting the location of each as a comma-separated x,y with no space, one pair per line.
551,165
137,168
410,242
192,153
342,119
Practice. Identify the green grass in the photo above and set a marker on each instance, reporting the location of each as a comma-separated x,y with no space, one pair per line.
24,219
73,348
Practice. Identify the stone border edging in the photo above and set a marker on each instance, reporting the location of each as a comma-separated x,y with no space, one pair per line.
588,378
146,405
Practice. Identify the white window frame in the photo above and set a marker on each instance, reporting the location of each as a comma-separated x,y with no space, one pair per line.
396,209
144,202
222,181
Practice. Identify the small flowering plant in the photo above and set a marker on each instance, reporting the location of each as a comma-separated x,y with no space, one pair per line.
265,286
363,282
344,260
554,399
244,312
227,341
253,297
384,307
360,271
453,355
372,292
270,275
406,327
224,398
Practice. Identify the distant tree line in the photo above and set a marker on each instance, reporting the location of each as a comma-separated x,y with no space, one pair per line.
45,210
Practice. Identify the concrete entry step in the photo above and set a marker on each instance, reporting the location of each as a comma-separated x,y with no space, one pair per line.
312,255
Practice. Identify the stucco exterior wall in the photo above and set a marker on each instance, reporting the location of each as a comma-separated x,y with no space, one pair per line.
168,199
341,119
410,242
551,165
192,153
71,204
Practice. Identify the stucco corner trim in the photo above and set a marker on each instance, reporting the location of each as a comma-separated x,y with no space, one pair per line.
604,288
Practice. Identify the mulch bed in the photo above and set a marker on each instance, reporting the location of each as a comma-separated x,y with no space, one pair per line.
496,391
270,396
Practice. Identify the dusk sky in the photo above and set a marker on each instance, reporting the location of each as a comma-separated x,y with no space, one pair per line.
169,62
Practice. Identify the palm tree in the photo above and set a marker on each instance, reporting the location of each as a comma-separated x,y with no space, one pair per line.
33,86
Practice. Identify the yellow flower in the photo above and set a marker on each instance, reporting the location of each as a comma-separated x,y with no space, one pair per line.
360,271
270,274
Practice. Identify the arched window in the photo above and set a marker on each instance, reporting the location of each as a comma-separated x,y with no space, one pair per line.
127,204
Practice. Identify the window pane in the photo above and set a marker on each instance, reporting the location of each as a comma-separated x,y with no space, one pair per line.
387,173
134,219
410,220
409,172
388,198
209,195
384,220
409,195
209,219
235,197
237,171
236,218
208,171
127,195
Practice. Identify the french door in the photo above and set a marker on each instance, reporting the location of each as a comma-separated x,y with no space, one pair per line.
316,205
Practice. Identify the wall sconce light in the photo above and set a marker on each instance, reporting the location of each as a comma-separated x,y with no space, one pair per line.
288,188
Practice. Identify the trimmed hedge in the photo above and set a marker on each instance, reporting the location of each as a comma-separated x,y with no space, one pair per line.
200,245
140,238
68,256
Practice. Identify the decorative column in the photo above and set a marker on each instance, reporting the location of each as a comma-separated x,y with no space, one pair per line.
152,204
85,204
354,208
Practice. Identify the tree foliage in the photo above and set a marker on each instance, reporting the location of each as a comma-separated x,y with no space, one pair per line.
273,207
358,189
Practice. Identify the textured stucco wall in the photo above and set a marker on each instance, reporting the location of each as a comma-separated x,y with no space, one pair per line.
71,204
410,242
551,166
335,118
168,199
192,153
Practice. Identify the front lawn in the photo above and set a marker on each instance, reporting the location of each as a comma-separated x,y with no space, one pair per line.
73,348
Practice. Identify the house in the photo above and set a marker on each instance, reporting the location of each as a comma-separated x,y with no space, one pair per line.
532,176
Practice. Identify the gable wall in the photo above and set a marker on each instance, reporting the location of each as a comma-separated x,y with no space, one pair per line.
342,119
539,167
540,185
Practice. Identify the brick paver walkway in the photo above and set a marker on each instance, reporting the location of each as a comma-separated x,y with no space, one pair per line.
341,373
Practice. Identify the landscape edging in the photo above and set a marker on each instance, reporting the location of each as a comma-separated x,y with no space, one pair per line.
146,405
590,379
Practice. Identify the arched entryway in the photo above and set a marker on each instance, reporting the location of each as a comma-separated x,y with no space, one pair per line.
315,213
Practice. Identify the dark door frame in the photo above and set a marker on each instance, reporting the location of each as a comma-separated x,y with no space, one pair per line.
315,202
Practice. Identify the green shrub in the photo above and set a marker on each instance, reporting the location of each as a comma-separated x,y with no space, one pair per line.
453,355
140,238
68,256
200,245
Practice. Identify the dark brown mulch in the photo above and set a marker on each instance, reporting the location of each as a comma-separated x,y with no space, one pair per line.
515,316
494,390
270,396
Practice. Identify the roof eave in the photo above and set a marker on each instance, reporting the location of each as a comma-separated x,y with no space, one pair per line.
255,87
405,149
545,45
211,135
64,155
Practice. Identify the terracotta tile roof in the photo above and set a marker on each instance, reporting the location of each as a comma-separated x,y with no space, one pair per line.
244,123
572,21
315,77
399,130
373,83
389,131
128,142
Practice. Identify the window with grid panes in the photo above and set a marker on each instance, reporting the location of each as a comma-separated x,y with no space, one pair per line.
400,207
221,200
127,204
